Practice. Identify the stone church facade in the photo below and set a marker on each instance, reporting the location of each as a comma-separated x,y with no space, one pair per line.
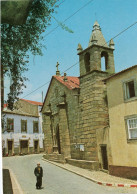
75,111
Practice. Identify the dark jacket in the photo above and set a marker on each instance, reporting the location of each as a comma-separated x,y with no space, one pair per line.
37,172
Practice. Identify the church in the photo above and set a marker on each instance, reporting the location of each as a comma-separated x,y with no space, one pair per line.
76,120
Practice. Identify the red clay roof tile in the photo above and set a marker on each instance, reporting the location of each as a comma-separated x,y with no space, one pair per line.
71,83
33,102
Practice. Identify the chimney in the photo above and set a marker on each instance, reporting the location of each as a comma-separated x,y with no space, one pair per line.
65,77
42,96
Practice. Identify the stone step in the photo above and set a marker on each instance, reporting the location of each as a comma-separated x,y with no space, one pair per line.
55,157
92,165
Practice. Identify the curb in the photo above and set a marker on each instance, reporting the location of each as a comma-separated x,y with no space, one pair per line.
117,185
15,185
93,180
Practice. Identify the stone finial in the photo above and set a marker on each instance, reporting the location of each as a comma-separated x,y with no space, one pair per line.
97,36
111,44
65,77
57,72
79,49
96,26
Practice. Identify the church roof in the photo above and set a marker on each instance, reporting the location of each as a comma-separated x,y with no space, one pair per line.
70,83
96,33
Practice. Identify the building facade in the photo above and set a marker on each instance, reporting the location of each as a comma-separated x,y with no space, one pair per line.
122,104
22,132
81,111
60,100
91,121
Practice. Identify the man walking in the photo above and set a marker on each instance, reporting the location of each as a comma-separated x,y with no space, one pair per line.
39,174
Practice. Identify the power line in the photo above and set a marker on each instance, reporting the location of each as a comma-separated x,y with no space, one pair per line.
61,2
124,30
68,17
49,81
36,89
70,67
78,61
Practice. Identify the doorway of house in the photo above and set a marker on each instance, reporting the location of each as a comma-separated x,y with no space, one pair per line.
43,145
24,146
58,139
104,157
36,144
10,147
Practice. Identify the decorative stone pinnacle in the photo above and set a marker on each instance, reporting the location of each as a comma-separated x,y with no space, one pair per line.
96,26
111,44
79,49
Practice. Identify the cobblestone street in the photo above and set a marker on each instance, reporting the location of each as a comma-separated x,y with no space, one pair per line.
56,180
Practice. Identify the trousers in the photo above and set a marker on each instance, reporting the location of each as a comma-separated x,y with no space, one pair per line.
39,182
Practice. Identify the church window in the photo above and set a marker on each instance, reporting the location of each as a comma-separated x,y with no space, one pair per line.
87,62
104,61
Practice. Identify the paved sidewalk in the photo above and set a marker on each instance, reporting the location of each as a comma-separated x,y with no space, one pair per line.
98,177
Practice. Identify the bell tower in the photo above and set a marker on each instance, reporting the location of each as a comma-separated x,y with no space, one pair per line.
90,58
93,107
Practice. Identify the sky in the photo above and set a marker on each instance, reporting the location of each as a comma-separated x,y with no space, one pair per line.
114,16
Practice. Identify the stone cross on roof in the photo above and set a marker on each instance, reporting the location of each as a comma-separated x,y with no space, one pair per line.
57,72
57,65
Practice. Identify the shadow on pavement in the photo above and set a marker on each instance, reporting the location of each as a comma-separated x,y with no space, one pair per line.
7,186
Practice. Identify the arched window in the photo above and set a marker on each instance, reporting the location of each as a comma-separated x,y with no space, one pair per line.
87,62
104,61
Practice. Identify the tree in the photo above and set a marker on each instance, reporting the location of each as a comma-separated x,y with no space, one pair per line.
18,40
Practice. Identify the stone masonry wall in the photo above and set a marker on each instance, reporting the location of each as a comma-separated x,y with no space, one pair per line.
93,114
70,113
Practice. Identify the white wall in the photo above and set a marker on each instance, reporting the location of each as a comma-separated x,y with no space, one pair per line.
17,135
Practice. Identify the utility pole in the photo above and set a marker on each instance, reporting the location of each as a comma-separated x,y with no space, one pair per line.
2,88
42,96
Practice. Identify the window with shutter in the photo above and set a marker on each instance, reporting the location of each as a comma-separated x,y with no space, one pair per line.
35,127
10,125
24,126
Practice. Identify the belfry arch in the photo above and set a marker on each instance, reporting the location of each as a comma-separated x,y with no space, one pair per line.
104,61
87,62
97,54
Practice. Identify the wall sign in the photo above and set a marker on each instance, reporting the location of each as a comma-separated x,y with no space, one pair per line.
81,147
